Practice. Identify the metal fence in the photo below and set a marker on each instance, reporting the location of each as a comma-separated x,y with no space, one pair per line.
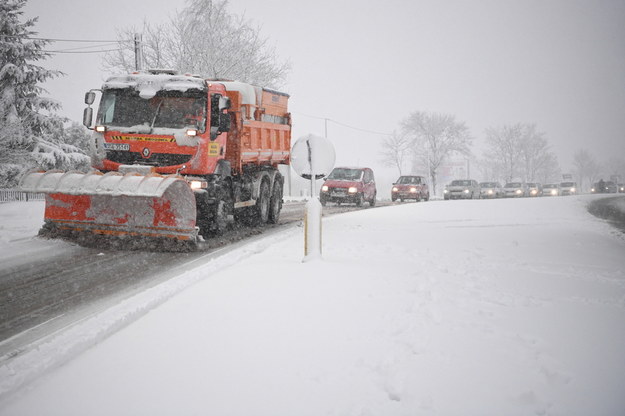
10,195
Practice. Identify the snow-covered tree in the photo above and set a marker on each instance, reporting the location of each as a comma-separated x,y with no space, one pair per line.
27,125
435,137
206,39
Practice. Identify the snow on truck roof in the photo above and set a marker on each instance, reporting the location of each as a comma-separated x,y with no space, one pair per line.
149,83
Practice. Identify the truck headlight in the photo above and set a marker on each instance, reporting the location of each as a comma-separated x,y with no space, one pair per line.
191,132
352,190
100,129
198,184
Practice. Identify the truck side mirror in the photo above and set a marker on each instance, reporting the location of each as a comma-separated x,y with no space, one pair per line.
89,97
87,116
224,103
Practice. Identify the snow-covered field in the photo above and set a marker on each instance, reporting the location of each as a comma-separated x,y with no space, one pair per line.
504,307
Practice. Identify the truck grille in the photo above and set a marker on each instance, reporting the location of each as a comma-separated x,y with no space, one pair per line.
155,159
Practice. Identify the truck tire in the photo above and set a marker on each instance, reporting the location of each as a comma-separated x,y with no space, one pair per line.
212,218
275,203
259,213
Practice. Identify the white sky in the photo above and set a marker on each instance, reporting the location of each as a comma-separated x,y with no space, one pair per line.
557,63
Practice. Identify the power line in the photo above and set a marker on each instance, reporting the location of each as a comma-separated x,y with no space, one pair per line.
101,45
344,125
99,51
67,40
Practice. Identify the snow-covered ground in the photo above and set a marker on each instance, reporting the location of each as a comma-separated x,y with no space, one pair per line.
504,307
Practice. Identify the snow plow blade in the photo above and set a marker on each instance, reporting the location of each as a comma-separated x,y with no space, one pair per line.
133,207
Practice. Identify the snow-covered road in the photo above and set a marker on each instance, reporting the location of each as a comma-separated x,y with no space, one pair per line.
501,307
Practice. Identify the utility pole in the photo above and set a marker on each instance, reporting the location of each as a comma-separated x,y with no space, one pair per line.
138,55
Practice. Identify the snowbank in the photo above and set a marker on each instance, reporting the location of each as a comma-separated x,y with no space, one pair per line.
504,307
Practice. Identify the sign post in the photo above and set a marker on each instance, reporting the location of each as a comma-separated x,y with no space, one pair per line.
312,158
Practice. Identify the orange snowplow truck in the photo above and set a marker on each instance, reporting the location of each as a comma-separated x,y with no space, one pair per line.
175,157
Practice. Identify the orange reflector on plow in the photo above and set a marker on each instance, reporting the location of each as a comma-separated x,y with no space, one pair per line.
115,204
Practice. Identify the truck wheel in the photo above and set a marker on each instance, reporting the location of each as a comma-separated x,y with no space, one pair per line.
275,204
260,211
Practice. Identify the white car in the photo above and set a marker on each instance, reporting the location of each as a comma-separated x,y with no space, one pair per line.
462,189
551,189
514,190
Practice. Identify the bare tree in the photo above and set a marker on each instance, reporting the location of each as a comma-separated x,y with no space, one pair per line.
395,149
504,147
434,138
206,39
535,153
586,167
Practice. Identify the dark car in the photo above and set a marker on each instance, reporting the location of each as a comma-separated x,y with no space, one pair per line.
604,187
491,190
349,185
462,189
410,187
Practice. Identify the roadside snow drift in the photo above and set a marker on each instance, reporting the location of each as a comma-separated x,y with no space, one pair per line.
503,307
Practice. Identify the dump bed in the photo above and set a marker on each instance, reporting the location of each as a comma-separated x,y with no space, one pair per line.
261,131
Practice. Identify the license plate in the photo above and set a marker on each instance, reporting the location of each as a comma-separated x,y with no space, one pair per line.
117,146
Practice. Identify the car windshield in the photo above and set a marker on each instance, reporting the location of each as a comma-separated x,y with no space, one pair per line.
460,183
408,180
514,185
488,185
568,184
345,174
532,185
550,185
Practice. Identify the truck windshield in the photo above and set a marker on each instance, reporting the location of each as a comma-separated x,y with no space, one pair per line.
167,109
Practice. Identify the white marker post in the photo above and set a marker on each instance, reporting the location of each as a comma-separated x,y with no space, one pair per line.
312,157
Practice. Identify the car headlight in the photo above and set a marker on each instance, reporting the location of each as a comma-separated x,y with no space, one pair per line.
445,191
534,191
592,189
324,188
413,189
395,189
466,191
572,189
490,191
554,192
518,191
352,190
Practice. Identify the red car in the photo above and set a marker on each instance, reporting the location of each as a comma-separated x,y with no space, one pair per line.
351,185
410,187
